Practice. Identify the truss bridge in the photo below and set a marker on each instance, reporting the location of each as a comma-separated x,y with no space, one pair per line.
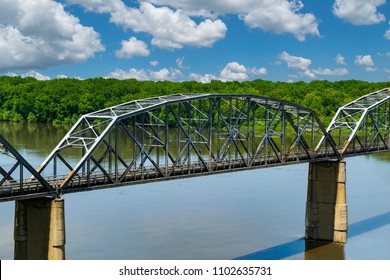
182,135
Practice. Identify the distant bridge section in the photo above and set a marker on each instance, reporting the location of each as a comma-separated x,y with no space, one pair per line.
362,126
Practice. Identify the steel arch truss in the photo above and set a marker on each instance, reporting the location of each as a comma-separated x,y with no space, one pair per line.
362,125
184,135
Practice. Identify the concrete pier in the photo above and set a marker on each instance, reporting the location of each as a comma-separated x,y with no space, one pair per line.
326,206
39,231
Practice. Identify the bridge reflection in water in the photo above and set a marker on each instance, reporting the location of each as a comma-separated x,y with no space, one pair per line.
185,135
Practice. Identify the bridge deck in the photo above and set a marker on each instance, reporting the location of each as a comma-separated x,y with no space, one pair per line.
32,188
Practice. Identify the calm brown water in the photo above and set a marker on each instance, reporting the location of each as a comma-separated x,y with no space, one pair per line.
258,214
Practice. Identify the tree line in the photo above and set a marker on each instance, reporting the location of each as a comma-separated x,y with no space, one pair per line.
63,101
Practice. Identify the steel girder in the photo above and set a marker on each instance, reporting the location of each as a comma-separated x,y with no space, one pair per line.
362,125
183,135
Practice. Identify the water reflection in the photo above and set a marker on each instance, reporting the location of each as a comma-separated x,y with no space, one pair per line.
319,250
322,250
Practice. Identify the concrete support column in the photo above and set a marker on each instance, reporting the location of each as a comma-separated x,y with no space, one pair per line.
56,246
39,231
326,206
20,231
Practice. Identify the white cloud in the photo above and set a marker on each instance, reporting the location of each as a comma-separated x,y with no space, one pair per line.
170,23
61,76
143,75
329,72
359,12
133,47
36,75
281,17
260,71
277,16
170,29
161,75
39,34
154,63
11,74
387,33
340,59
234,72
133,73
166,75
295,62
366,62
307,73
302,64
207,78
180,63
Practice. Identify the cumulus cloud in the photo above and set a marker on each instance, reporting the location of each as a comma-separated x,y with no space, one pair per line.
307,73
303,66
11,74
36,75
233,71
170,23
143,75
366,62
295,62
154,63
133,73
170,29
340,59
329,72
166,75
39,34
281,17
359,12
277,16
206,78
133,47
258,71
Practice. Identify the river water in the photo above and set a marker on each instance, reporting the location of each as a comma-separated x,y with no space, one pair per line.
257,214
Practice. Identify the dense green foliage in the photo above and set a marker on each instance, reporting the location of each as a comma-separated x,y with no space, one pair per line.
64,100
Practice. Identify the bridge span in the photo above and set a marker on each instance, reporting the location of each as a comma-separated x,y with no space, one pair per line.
182,135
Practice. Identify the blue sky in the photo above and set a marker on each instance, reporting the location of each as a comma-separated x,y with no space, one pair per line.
202,40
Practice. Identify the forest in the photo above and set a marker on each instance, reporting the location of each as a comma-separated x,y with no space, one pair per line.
63,101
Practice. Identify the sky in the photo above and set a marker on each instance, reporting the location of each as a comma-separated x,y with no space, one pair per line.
200,40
